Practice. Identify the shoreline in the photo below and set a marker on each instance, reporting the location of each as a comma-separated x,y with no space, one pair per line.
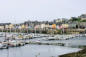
81,53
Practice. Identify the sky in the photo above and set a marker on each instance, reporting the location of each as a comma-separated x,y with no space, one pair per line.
18,11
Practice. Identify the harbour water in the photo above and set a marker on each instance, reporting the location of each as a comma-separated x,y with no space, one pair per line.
34,50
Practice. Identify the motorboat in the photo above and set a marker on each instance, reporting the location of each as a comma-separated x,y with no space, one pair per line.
12,43
3,46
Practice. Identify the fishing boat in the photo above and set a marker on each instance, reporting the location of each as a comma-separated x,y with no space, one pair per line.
13,43
28,36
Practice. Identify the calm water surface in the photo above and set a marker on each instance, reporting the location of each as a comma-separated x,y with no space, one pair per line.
36,51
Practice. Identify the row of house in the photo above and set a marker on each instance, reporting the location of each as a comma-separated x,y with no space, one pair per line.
60,23
43,26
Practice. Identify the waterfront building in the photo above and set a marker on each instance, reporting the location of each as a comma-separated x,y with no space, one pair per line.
83,17
3,25
11,26
53,26
75,31
72,25
60,21
65,25
82,25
